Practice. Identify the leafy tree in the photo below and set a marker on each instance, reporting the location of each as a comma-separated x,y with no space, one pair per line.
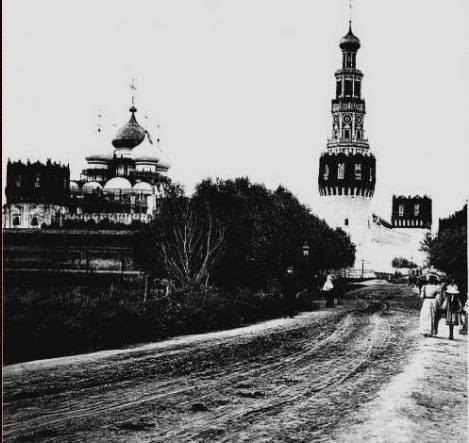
447,251
265,231
400,262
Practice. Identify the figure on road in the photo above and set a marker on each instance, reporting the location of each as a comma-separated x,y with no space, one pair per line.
289,290
428,312
453,307
328,289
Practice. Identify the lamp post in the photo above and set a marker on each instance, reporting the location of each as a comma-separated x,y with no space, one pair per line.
305,251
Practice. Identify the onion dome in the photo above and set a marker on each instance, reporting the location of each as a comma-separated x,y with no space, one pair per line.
91,186
350,42
131,134
117,184
143,188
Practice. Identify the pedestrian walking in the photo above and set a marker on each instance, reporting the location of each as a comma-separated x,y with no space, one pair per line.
328,289
464,314
428,312
289,290
453,307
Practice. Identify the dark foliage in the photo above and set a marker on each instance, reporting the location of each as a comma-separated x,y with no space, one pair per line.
54,321
265,231
448,250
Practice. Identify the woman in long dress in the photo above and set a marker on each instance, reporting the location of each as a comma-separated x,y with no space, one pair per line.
453,307
428,313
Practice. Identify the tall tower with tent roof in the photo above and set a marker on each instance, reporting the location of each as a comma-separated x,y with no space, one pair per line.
347,169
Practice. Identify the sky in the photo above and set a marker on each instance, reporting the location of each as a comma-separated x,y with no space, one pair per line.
243,87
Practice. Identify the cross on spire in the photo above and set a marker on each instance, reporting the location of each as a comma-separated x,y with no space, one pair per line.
99,120
350,12
133,88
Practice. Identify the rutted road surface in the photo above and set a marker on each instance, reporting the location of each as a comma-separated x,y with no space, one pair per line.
284,380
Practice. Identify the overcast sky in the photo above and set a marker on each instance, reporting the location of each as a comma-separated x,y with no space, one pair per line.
243,87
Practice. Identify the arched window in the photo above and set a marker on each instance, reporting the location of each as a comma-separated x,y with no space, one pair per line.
358,171
34,221
401,210
18,181
16,220
326,172
347,133
341,171
37,180
416,209
371,174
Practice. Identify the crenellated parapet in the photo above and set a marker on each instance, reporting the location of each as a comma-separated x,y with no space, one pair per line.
411,212
37,183
343,173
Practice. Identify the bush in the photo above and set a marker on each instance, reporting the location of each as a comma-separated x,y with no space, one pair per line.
48,322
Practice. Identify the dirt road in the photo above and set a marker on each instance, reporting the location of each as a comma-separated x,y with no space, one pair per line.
287,380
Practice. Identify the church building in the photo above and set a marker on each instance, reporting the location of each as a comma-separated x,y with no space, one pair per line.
124,179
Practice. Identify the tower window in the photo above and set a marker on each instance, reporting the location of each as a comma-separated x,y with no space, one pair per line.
357,89
358,171
326,172
371,174
37,181
359,135
346,222
416,209
16,220
338,90
340,171
18,180
347,133
348,88
34,221
401,210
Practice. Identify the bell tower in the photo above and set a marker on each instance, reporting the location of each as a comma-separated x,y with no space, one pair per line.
347,169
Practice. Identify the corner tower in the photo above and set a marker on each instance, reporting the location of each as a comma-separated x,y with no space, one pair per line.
347,169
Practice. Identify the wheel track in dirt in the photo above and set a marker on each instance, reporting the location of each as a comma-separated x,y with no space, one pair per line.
345,366
60,416
308,358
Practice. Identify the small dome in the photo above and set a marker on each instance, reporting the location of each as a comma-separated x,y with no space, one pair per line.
91,186
117,183
350,42
131,134
143,188
145,152
74,186
103,157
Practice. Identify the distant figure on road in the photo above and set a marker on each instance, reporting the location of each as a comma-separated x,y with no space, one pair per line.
453,307
428,312
328,289
289,290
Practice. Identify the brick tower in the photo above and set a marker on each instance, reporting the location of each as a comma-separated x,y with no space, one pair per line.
347,169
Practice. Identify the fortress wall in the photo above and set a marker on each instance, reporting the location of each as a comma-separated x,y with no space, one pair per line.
69,251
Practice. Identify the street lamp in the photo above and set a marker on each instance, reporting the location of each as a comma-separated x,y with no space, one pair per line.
305,251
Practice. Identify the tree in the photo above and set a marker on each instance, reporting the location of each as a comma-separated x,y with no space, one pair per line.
184,242
265,231
400,262
447,251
